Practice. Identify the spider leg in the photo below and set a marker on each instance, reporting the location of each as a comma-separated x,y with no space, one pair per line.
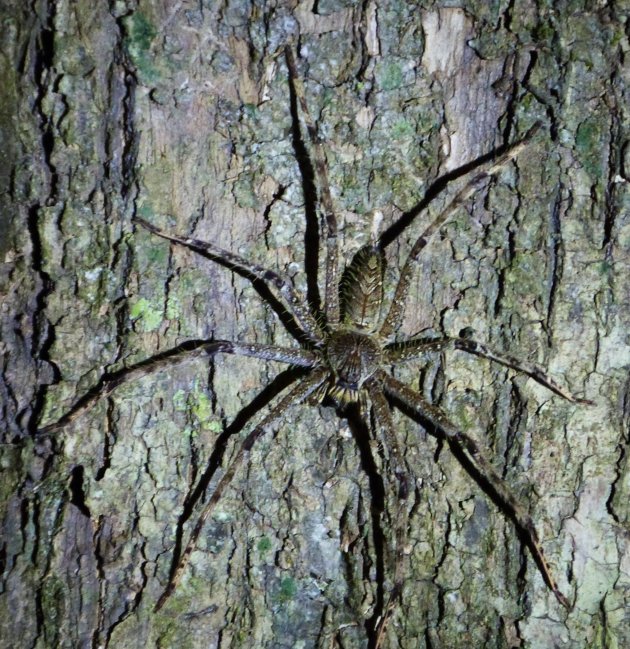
292,298
416,348
385,423
484,468
396,311
325,197
185,352
299,393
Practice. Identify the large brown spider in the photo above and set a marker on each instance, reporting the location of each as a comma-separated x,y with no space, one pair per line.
346,351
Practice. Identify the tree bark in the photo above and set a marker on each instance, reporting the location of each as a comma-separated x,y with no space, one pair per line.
180,113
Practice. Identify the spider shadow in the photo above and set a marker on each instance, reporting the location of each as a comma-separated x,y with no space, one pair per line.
362,431
312,236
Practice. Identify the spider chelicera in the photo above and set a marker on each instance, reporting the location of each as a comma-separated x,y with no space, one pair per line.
346,351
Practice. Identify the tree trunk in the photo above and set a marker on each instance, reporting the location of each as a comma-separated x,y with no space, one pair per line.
180,113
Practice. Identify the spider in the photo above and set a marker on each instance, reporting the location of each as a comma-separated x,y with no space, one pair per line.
345,352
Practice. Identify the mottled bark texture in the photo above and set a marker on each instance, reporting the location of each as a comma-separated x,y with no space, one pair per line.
179,112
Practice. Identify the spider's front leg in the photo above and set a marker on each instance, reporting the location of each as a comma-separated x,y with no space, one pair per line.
483,467
385,425
300,392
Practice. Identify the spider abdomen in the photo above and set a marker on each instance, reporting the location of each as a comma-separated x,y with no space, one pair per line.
362,289
353,358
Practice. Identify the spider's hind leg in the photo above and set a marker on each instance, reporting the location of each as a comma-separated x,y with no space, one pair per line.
395,315
292,299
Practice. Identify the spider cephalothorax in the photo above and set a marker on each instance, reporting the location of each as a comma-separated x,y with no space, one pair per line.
354,358
346,349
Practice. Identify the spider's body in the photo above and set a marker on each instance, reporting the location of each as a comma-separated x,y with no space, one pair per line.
353,358
347,349
352,350
362,290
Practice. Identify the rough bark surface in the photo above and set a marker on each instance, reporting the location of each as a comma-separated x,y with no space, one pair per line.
179,112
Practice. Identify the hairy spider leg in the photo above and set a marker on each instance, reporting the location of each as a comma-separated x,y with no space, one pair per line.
182,353
385,424
306,386
483,466
394,317
292,299
418,347
329,217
